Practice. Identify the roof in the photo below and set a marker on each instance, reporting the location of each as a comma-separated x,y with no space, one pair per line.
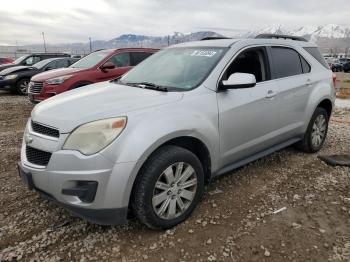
247,41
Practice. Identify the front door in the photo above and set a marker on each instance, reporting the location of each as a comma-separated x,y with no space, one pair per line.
122,64
246,119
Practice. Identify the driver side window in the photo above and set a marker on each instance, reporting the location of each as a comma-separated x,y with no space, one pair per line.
251,61
120,60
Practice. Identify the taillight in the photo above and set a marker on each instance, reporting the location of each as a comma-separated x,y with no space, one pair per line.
334,81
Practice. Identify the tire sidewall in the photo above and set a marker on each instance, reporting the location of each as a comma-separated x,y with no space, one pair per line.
18,86
318,111
181,155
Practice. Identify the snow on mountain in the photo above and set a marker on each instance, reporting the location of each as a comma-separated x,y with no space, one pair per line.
333,31
309,32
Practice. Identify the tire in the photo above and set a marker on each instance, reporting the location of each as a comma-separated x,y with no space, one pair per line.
308,144
146,196
21,86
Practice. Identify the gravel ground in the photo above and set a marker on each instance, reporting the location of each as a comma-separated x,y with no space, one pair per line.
234,222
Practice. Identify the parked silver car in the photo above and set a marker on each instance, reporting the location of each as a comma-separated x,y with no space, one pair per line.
146,143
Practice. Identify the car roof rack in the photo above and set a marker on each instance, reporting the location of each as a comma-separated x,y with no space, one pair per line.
214,38
277,36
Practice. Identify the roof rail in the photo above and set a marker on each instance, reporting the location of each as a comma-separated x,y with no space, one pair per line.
277,36
214,38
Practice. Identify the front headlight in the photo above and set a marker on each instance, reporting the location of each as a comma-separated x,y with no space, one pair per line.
9,77
58,80
92,137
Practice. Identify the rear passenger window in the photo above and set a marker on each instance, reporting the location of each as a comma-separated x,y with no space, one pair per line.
305,65
317,55
138,57
286,62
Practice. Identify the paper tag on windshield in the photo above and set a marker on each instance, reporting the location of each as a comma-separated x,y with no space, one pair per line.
207,53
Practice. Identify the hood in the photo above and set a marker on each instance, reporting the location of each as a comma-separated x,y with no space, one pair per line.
2,67
16,69
56,73
98,101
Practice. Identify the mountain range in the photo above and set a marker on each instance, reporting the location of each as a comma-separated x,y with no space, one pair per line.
331,37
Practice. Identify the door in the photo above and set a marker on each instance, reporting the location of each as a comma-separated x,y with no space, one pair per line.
122,63
246,119
294,84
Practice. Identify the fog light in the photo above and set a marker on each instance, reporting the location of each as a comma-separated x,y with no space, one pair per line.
84,190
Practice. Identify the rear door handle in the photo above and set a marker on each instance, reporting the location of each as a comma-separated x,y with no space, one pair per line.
270,94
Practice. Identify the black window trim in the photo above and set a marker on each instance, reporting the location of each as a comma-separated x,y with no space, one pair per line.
236,54
273,73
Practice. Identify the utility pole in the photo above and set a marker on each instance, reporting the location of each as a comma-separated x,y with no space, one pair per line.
44,41
90,44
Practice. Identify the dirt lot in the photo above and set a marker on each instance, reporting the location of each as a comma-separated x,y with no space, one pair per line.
343,83
234,222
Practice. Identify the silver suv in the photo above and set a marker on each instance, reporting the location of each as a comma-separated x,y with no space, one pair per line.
148,142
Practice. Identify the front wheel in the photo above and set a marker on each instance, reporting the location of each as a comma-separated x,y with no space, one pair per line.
22,86
316,132
168,188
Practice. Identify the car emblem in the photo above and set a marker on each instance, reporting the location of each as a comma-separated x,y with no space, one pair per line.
28,139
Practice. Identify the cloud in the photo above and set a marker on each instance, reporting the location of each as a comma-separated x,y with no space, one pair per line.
75,21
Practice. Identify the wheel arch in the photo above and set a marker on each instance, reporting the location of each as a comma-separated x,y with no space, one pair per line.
191,143
327,105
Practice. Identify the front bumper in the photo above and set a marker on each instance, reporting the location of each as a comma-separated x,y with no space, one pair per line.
106,216
7,84
66,169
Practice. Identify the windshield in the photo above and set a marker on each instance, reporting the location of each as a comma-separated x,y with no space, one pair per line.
41,64
91,59
20,59
177,68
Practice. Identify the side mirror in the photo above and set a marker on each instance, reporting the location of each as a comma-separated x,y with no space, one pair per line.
48,68
106,66
239,80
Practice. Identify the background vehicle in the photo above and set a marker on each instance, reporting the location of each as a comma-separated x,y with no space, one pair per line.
336,66
344,60
98,66
17,78
29,60
4,60
346,67
148,141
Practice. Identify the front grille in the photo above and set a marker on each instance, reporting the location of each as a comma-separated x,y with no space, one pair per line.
35,87
44,130
37,157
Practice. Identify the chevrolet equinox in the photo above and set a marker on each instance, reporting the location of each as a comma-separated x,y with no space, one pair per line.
149,141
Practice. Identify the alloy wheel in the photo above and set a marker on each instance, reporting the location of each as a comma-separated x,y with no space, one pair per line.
319,129
174,190
23,87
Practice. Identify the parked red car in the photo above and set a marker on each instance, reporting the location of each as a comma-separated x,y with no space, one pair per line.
98,66
5,60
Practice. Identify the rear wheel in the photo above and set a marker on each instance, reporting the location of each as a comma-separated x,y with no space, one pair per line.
168,188
316,132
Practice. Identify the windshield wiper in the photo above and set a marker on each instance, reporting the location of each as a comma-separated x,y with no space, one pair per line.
148,85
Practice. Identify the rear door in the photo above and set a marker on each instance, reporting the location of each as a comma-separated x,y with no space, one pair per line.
122,63
291,73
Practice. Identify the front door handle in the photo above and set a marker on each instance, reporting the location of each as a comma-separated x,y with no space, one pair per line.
270,94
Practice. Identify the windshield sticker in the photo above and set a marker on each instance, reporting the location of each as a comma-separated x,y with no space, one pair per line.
207,53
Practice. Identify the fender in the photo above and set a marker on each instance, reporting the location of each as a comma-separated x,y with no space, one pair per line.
321,91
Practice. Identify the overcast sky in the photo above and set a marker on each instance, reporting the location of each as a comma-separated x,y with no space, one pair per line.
68,21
